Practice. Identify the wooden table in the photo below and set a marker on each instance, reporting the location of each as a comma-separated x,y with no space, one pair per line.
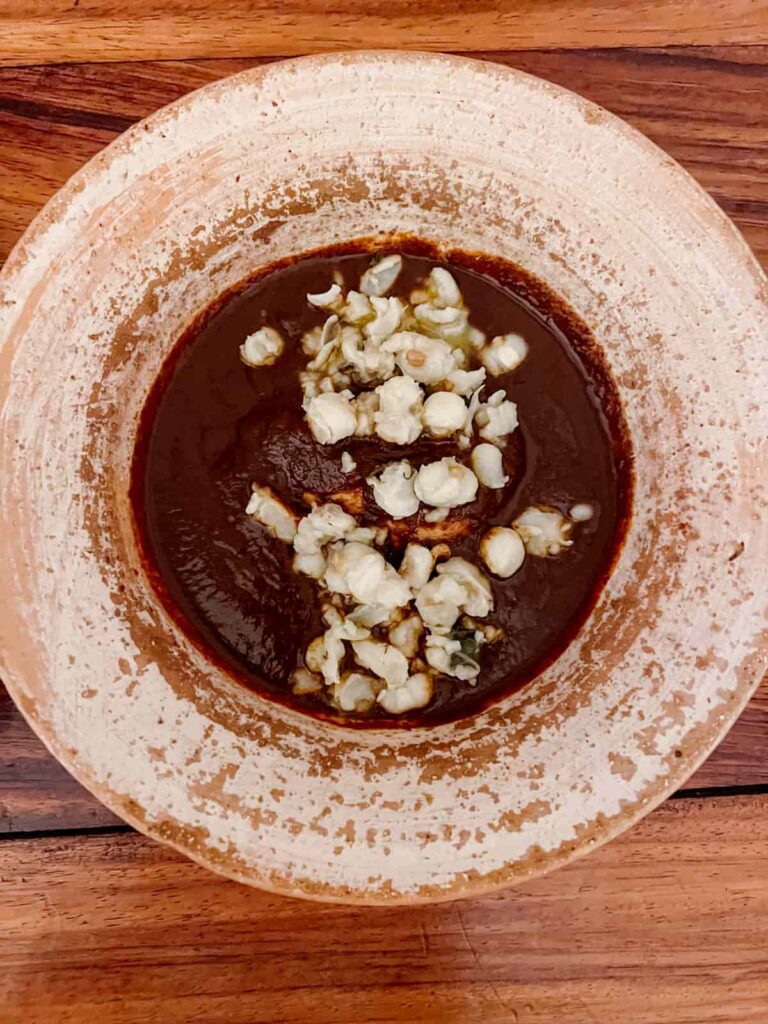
668,923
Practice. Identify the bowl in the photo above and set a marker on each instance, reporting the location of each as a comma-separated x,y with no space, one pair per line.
306,153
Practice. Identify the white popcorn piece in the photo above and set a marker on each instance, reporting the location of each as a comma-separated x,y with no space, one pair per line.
266,508
322,525
312,340
262,348
544,531
343,558
389,314
444,654
439,602
327,299
478,596
393,490
394,592
496,420
383,660
328,345
406,634
436,515
581,513
445,483
443,289
366,406
415,693
366,360
417,564
380,277
487,466
439,317
326,653
370,615
466,382
444,413
503,551
475,338
311,564
314,654
331,417
360,571
348,464
356,691
504,354
398,419
358,308
304,682
427,360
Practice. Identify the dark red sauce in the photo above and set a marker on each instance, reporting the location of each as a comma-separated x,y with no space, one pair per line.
212,426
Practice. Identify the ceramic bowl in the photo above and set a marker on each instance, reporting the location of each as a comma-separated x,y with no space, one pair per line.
305,153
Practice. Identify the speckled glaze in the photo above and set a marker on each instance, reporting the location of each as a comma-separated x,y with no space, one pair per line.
306,153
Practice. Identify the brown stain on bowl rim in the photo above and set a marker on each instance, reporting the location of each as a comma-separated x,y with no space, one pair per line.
192,760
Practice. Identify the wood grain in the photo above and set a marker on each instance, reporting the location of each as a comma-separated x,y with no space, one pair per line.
706,106
45,31
667,925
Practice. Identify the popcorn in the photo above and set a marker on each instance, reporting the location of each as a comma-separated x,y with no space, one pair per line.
439,602
266,508
415,693
406,634
487,466
478,597
444,413
358,308
445,483
379,366
262,348
544,531
348,464
417,564
327,299
383,659
389,314
398,418
443,288
393,490
304,682
324,524
368,362
366,405
427,360
503,551
331,417
505,353
380,277
497,418
356,691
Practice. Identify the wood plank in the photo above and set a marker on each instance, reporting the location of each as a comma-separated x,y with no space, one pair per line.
46,31
38,795
668,924
708,107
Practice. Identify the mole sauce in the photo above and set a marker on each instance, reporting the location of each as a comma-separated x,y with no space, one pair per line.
212,426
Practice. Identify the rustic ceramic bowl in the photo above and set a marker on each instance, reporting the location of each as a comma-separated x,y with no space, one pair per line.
306,153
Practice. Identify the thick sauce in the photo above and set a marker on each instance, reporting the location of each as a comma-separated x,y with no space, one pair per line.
212,426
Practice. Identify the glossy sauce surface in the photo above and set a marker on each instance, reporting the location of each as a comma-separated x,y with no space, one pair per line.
212,426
